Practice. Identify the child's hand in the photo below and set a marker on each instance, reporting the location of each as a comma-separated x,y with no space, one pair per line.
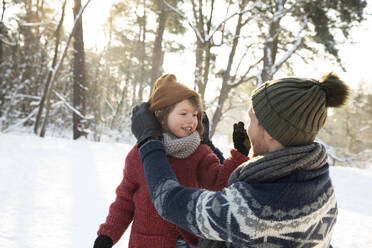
241,139
103,241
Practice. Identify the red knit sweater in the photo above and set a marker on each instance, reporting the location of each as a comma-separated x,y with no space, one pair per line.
133,203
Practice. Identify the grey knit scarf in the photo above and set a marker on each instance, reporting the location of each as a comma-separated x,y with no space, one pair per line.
272,166
181,147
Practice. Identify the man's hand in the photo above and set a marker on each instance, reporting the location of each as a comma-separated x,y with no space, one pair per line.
241,139
144,124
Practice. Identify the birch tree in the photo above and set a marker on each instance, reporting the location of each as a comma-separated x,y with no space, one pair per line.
45,100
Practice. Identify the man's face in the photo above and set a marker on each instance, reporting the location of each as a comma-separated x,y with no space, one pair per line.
256,135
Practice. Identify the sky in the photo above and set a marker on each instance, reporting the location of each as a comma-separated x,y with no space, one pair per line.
355,54
56,192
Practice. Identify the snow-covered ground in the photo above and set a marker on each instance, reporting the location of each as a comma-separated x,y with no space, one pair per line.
55,192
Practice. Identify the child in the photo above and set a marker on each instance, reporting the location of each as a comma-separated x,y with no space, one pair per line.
179,110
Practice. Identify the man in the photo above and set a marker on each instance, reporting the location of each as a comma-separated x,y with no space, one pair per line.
282,197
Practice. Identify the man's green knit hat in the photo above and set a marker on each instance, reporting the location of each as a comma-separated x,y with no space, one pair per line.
293,110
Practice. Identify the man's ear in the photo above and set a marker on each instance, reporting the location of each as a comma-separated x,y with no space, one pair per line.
267,136
272,142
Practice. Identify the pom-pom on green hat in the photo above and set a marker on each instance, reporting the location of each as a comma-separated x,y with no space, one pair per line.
293,110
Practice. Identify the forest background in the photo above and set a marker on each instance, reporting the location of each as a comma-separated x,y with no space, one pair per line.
76,68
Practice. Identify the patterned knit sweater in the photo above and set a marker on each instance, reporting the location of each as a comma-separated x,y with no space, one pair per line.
297,210
133,203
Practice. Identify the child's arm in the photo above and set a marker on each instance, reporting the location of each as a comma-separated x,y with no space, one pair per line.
206,140
216,151
122,209
211,174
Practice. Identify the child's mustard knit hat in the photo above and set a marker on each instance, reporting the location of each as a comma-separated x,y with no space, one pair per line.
168,91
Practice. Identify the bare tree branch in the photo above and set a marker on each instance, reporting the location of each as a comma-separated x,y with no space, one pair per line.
244,77
210,35
184,17
292,50
35,24
7,42
70,107
242,58
28,117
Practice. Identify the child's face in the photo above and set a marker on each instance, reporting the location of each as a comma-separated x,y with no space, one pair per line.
183,119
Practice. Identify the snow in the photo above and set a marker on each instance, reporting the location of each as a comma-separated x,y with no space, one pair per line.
56,192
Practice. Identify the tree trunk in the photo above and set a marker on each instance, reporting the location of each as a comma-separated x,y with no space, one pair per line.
58,66
1,31
207,52
79,95
48,85
2,94
141,53
119,109
1,45
271,49
207,62
157,52
226,75
199,51
218,113
198,64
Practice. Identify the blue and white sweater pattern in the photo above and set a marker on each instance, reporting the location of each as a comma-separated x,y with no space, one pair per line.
236,208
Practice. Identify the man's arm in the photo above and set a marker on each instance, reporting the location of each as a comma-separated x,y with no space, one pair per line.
207,214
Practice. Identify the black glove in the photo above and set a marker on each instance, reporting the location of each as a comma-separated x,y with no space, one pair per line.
207,141
144,124
103,241
241,139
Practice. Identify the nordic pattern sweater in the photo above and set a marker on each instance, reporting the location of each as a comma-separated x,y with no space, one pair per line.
133,203
298,210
